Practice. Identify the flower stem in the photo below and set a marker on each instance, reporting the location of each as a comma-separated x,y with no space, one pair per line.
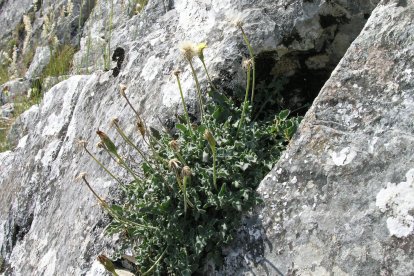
245,103
103,167
108,209
126,139
94,193
208,75
214,167
249,47
200,98
156,263
183,102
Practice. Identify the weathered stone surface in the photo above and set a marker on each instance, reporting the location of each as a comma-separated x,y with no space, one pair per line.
340,201
11,14
50,224
13,89
40,60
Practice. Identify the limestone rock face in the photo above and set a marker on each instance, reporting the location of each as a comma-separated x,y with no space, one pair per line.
40,60
340,201
51,225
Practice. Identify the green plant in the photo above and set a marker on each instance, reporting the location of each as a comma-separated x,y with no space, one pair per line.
136,6
107,50
185,201
4,127
4,74
60,62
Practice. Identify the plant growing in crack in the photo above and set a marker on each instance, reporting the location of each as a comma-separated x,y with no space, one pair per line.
185,200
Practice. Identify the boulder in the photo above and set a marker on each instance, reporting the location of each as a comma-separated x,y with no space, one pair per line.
340,200
50,224
14,90
39,62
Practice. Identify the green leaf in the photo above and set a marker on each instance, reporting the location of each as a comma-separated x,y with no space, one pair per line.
155,133
283,114
182,127
223,190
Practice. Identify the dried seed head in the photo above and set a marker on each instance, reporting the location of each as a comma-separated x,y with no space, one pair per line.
186,171
174,164
82,143
122,89
247,64
174,145
141,126
188,50
210,138
114,121
177,72
100,145
238,22
80,176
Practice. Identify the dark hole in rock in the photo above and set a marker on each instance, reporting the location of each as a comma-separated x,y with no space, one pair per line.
402,3
291,75
118,56
288,83
330,20
20,230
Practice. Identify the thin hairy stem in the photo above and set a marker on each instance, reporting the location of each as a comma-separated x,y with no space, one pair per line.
245,103
251,53
126,139
208,75
183,102
200,97
156,263
103,167
214,167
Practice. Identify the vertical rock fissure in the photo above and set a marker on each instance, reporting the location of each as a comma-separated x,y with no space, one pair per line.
291,76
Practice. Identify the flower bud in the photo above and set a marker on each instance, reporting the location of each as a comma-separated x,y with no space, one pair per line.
174,145
100,145
177,72
107,142
186,171
247,64
200,49
122,89
209,137
81,176
141,126
107,263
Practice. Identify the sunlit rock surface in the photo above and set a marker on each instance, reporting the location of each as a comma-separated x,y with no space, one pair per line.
339,202
321,211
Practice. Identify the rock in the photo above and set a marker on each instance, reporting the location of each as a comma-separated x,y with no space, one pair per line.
14,90
40,60
7,110
340,201
51,225
11,13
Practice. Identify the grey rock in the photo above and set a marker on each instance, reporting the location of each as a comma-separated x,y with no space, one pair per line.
50,224
7,111
11,13
39,62
13,90
340,201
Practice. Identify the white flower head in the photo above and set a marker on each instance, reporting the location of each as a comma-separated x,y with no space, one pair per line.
188,50
236,19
